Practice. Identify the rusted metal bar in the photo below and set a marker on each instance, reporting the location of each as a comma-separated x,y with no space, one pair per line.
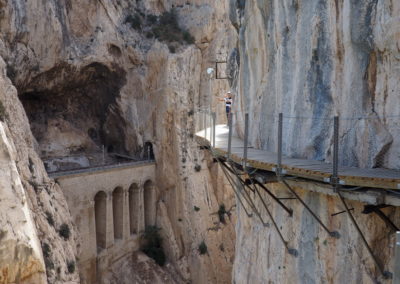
233,184
230,136
265,224
205,124
288,210
333,234
291,251
213,127
279,151
340,212
396,269
335,178
246,139
385,274
377,210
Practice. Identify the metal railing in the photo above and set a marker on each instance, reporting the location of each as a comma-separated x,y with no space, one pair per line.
100,168
371,135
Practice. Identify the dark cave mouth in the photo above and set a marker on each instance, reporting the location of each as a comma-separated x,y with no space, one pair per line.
71,111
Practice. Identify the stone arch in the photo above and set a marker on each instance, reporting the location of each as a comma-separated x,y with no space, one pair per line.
118,212
100,209
134,206
149,197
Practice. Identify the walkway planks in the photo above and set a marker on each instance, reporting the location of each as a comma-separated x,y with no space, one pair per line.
309,169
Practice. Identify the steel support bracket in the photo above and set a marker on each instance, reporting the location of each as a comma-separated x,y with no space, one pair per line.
334,181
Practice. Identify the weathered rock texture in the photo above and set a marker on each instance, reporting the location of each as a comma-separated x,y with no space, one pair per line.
261,257
312,60
87,77
33,208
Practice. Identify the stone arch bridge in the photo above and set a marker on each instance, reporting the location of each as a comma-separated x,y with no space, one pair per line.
110,206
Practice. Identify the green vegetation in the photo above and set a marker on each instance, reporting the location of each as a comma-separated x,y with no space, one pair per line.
71,266
49,218
197,209
165,28
46,255
152,245
202,248
197,168
3,113
221,213
134,20
46,250
64,231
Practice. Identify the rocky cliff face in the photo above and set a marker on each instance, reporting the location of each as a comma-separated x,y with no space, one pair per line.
104,74
312,60
261,257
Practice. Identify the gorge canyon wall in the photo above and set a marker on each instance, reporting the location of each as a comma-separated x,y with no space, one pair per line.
100,74
312,60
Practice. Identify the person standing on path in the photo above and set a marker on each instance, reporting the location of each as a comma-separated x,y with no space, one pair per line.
228,104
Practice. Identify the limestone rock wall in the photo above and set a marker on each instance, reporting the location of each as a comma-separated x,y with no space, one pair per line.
312,60
260,256
87,78
33,208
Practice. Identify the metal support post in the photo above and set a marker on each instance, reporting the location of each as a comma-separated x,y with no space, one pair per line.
333,234
335,176
396,279
249,200
290,250
246,139
385,274
279,158
288,210
104,155
230,137
214,118
205,124
210,123
233,185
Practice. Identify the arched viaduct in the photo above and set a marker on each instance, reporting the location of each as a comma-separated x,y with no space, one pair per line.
110,206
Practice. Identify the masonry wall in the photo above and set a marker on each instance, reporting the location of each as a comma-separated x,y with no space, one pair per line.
117,235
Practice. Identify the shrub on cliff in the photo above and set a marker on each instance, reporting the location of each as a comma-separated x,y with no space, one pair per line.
64,231
203,248
134,20
167,29
221,213
71,266
3,113
152,245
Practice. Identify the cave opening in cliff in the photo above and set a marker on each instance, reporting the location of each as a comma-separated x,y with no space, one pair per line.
74,115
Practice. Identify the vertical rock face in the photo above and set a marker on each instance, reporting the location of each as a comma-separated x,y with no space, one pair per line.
312,60
33,209
261,257
97,73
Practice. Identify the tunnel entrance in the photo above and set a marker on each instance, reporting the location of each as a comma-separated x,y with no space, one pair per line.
148,153
74,114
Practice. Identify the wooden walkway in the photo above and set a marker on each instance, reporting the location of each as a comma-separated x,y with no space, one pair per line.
308,169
